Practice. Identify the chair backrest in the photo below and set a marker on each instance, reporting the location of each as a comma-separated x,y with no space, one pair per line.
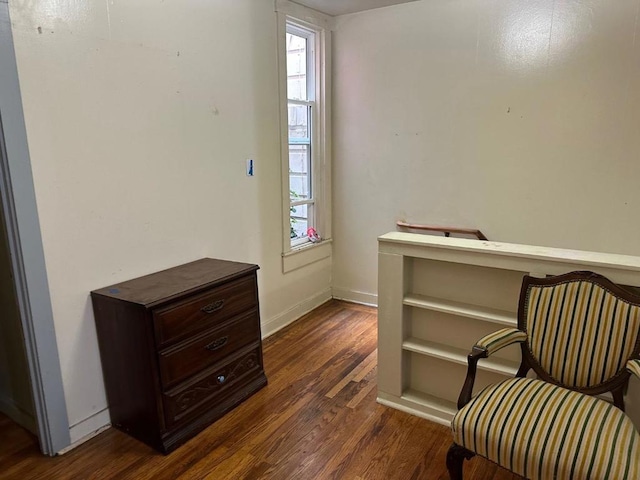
582,328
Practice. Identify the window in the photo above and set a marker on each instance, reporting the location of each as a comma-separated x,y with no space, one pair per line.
304,43
301,108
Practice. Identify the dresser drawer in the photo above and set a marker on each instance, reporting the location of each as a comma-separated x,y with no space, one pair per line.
187,358
201,312
199,394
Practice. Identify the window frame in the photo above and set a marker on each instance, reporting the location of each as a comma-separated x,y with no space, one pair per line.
304,20
311,104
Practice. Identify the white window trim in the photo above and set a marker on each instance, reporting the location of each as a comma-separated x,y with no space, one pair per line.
305,255
304,14
294,257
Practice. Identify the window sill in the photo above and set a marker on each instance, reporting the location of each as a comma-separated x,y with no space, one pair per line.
305,255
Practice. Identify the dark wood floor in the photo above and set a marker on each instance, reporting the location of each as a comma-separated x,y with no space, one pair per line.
317,419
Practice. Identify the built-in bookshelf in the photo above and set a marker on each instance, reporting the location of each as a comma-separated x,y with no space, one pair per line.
437,296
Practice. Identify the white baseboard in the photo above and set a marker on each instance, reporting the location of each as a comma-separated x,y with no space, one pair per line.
18,414
363,298
87,428
280,321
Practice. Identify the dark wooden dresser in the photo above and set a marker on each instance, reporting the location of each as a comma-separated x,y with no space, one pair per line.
179,348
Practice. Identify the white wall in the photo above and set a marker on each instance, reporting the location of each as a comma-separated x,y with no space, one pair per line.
140,116
518,117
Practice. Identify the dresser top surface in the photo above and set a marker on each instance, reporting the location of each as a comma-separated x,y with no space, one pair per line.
167,284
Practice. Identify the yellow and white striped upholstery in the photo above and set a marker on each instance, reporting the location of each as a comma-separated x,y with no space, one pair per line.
501,338
634,367
579,332
542,431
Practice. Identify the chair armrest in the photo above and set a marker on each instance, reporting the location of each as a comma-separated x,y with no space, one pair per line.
484,347
633,366
495,341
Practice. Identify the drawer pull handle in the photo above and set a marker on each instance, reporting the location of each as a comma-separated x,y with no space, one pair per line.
221,378
216,344
213,307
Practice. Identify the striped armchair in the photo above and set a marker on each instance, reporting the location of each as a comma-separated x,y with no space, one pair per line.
579,333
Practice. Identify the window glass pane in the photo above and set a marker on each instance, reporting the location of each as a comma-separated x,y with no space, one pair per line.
299,172
299,221
296,67
298,228
298,123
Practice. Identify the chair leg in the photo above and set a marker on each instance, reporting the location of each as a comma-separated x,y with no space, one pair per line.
455,458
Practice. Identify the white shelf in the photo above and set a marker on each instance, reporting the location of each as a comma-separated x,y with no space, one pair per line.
422,405
434,403
458,355
486,314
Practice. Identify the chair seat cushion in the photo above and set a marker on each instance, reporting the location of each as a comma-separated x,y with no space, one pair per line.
542,431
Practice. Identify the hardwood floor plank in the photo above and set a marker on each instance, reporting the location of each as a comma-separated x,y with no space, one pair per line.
351,375
367,367
317,419
334,460
305,452
367,385
377,447
413,446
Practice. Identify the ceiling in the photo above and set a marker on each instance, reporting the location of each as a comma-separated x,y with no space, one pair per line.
342,7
